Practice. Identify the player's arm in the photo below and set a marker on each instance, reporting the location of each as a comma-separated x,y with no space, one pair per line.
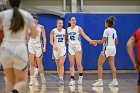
51,41
44,38
101,41
66,38
51,38
130,45
84,35
116,41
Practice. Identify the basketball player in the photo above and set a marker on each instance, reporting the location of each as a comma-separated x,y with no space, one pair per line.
135,40
57,40
109,41
35,53
13,50
75,49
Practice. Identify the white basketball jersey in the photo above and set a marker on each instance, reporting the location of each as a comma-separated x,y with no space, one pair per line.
38,38
59,37
111,35
74,35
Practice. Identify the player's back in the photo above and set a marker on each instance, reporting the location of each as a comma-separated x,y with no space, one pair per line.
111,35
6,17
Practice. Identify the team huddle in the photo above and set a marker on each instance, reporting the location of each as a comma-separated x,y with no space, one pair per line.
59,37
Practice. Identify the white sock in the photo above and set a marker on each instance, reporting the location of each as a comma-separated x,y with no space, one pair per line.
114,79
100,80
61,78
80,76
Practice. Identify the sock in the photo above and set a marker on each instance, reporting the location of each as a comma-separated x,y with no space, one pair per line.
114,79
80,74
72,77
61,78
100,80
14,91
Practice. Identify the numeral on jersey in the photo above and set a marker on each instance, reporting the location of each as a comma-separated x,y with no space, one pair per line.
72,38
113,36
60,39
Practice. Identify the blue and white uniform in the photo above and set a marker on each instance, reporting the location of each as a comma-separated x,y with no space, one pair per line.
59,41
74,40
109,47
35,44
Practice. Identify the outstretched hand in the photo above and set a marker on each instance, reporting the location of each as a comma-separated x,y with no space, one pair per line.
94,42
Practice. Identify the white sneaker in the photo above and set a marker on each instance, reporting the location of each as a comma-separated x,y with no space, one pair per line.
80,80
31,81
61,82
98,84
72,82
43,80
114,83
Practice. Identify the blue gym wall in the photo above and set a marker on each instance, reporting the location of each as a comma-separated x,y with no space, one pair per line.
93,25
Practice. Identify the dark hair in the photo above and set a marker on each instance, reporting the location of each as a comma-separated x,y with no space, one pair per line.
58,20
69,20
110,21
17,21
35,17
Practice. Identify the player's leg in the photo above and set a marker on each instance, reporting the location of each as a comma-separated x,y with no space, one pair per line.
32,65
21,80
113,69
10,77
31,62
61,65
57,65
101,60
78,57
72,61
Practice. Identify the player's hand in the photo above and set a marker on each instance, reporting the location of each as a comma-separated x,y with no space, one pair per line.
55,47
94,42
137,67
44,49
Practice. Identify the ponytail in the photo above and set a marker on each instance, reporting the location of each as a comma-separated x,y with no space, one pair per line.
110,21
17,21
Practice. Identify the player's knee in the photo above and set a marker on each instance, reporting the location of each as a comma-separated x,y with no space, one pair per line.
61,65
100,64
71,65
